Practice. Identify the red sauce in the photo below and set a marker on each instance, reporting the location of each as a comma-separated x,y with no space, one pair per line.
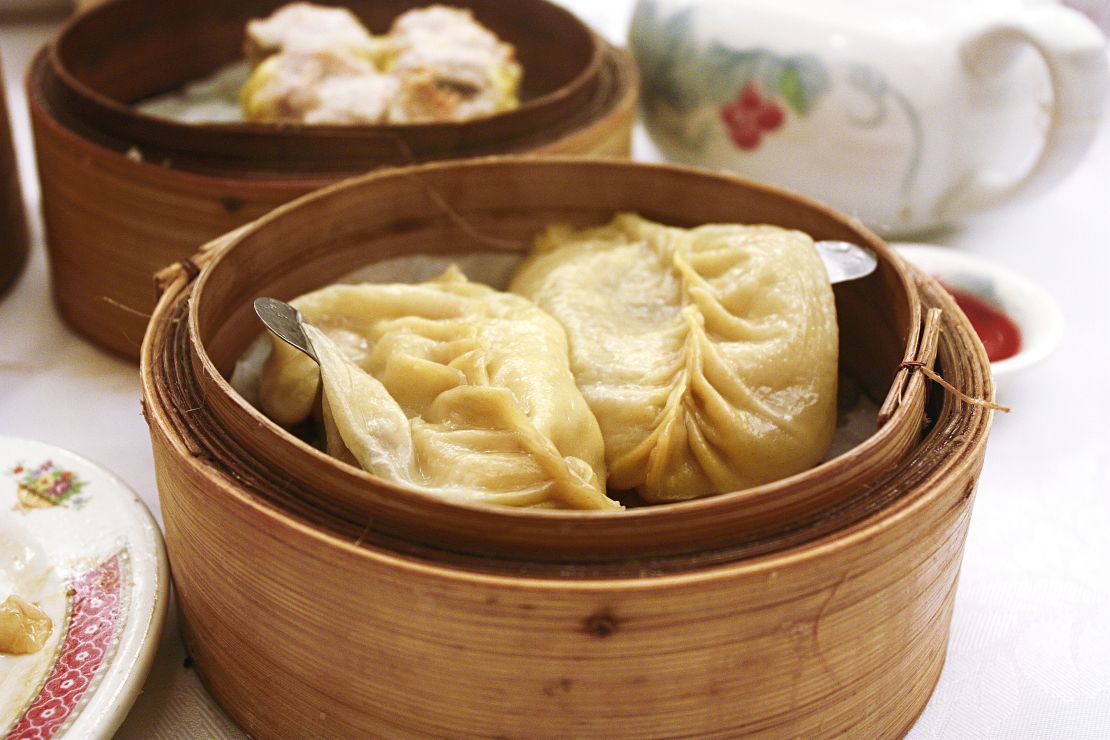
998,332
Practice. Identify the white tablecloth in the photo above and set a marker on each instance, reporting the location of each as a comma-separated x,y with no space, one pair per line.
1030,648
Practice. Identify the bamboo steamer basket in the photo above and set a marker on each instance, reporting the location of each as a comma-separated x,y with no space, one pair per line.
125,193
13,223
318,600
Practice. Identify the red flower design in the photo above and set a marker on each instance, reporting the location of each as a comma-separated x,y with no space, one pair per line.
749,115
49,711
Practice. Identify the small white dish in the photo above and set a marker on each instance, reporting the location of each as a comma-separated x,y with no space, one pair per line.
1037,316
80,544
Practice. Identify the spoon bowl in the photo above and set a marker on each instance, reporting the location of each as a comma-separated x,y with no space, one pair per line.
286,323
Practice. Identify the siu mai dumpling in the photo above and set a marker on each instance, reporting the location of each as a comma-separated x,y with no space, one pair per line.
306,28
708,355
450,67
449,386
317,88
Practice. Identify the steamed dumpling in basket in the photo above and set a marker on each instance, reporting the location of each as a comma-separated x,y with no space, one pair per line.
708,355
319,87
451,68
448,386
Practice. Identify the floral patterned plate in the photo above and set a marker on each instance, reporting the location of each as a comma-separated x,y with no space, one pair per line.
78,543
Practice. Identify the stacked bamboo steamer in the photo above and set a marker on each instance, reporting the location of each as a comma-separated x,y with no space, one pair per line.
125,193
318,600
13,224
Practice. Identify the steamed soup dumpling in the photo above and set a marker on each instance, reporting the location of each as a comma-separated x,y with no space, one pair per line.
449,386
708,355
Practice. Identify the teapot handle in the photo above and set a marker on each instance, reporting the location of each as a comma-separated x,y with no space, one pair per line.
1074,51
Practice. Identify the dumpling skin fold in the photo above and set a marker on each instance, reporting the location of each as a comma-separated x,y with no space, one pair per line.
448,386
708,355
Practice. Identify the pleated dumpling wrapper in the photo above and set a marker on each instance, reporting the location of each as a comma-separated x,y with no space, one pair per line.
708,355
449,386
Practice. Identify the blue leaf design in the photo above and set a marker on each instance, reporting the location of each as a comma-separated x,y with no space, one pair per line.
663,47
801,81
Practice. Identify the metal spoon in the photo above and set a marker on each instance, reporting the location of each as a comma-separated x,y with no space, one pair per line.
286,323
846,261
843,261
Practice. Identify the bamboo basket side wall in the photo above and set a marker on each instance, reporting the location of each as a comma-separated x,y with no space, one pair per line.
578,661
111,222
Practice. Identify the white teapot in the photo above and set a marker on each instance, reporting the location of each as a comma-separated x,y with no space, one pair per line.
906,115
